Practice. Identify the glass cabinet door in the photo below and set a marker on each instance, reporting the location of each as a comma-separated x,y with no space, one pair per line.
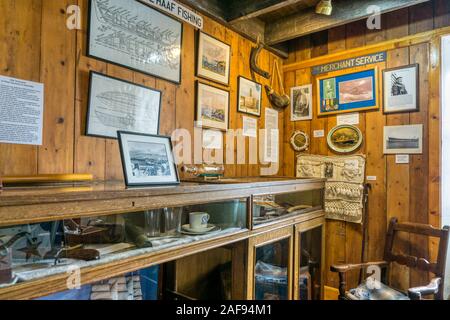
270,277
309,260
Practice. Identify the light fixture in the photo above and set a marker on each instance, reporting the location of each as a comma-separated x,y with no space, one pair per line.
324,7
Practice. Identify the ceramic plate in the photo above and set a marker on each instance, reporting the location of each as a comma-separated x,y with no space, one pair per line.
186,229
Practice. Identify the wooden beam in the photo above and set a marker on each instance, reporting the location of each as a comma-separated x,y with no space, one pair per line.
307,22
243,10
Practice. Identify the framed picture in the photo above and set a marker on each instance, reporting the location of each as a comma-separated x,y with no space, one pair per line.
407,139
213,59
117,105
213,106
147,159
401,89
136,36
301,103
344,138
340,92
250,97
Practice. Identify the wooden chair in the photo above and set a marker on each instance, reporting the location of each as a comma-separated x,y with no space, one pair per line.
435,287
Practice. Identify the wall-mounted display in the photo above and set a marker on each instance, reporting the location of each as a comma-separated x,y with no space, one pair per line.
341,92
301,103
133,35
212,107
116,105
213,59
147,159
406,139
300,141
344,138
401,89
250,96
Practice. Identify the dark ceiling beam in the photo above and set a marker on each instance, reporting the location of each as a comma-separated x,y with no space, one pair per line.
307,22
248,9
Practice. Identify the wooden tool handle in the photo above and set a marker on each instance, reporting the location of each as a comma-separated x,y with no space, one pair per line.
46,178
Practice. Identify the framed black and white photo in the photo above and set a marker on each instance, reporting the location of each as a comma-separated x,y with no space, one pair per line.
250,97
117,105
401,89
406,139
213,106
136,36
147,159
301,103
213,59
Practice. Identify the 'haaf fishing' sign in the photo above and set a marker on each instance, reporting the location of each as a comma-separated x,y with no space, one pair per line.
350,63
177,10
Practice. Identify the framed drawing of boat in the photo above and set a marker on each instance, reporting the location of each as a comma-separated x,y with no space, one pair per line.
250,97
213,106
117,105
213,59
342,92
136,36
407,139
345,138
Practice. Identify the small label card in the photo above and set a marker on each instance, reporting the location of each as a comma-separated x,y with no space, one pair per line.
350,119
402,158
319,133
371,178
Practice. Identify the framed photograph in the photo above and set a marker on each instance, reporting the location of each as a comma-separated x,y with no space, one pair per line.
213,106
344,138
301,103
213,59
147,159
250,97
136,36
407,139
117,105
340,92
401,89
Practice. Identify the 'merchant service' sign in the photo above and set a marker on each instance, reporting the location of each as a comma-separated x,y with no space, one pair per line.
350,63
177,10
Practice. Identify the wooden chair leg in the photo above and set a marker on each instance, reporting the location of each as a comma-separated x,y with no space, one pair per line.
342,284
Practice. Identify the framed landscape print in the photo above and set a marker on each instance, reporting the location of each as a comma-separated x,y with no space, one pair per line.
340,92
250,96
301,103
117,105
213,59
212,107
136,36
407,139
401,89
147,159
344,138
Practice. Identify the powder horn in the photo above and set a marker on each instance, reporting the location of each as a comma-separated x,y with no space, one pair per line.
254,60
279,101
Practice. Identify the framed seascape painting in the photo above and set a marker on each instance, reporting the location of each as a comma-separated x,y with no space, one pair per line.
213,106
301,103
147,159
406,139
213,59
136,36
401,89
340,92
117,105
250,96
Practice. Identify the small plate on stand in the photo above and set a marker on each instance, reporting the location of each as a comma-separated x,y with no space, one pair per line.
186,229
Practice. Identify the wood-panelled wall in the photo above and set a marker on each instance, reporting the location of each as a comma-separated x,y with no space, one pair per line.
409,192
37,46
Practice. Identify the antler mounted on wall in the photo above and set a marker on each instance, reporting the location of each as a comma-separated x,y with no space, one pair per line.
254,60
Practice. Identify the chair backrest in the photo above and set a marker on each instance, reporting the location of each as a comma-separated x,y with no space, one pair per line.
420,263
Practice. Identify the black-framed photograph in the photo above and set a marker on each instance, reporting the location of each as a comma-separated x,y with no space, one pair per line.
136,36
250,97
213,59
213,105
147,159
401,89
118,105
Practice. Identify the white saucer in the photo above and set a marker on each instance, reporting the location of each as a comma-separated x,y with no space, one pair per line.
187,227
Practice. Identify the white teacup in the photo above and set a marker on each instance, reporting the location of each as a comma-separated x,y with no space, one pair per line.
198,220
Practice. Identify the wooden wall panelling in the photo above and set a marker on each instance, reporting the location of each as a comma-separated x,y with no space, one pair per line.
421,17
89,152
442,13
20,56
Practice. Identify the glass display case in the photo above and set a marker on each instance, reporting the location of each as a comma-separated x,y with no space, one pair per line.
33,251
273,207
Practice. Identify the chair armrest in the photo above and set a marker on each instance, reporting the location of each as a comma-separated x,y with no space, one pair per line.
342,268
432,288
